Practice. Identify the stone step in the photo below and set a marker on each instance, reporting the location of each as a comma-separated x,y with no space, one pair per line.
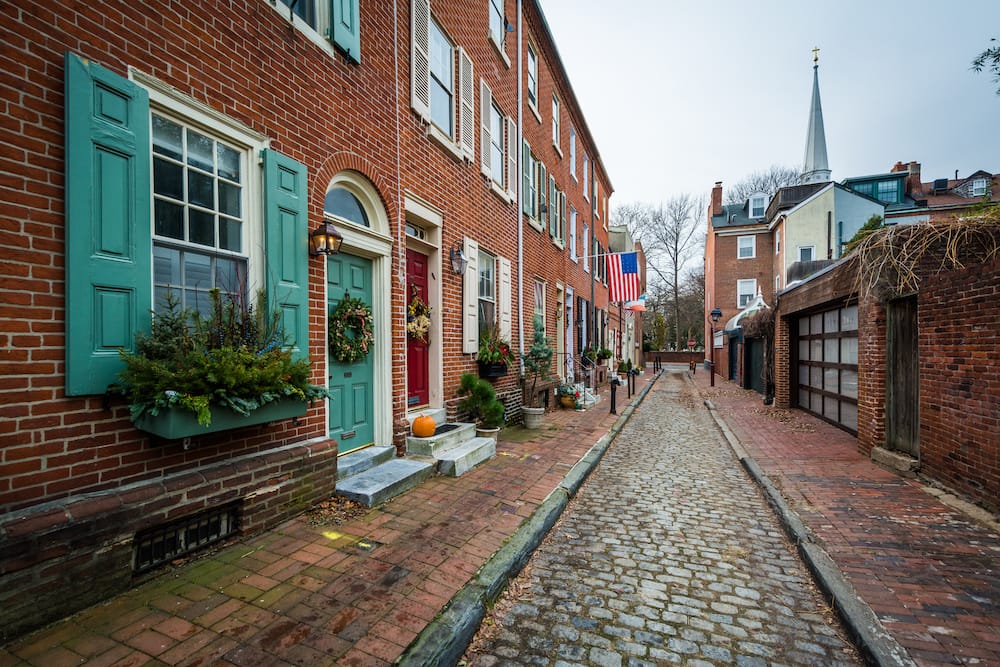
363,459
383,482
466,456
434,445
439,415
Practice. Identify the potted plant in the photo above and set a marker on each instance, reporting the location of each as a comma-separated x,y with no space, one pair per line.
622,369
481,404
590,355
568,395
603,355
191,375
537,362
494,355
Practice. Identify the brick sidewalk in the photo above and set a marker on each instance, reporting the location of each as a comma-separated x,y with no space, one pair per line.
929,573
350,594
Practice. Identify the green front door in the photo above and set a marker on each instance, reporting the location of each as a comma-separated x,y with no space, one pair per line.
352,399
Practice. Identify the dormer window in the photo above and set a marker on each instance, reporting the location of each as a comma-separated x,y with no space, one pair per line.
979,187
758,204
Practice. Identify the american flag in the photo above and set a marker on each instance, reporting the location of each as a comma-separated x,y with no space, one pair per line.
623,276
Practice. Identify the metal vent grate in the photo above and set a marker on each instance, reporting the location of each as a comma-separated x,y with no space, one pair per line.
161,544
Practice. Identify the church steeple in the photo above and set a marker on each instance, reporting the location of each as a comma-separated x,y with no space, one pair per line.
815,168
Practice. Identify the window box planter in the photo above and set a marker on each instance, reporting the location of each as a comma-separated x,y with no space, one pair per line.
177,423
489,370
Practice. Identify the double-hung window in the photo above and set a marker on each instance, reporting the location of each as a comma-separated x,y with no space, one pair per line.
442,66
806,253
487,294
556,120
572,151
746,247
757,206
540,300
587,252
586,176
979,187
745,291
532,78
498,144
572,233
529,182
497,23
340,21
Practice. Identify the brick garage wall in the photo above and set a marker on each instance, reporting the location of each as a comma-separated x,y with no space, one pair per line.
959,340
871,375
62,556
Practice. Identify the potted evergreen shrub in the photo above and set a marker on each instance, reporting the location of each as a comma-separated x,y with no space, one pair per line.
191,376
481,404
537,363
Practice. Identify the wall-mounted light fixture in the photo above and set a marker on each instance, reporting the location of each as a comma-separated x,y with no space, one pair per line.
325,240
459,262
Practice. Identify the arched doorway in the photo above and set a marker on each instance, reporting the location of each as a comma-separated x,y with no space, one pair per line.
360,408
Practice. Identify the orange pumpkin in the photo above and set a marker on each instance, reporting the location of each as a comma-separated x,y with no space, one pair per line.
423,426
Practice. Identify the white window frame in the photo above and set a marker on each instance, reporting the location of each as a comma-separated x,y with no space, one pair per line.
586,248
487,262
746,243
572,152
586,176
742,291
812,253
777,241
435,28
763,205
978,187
496,12
556,123
572,233
533,80
777,284
540,299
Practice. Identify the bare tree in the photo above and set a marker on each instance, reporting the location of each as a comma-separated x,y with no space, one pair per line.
767,181
990,61
671,233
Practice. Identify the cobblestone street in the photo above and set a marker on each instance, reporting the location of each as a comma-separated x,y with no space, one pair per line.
669,554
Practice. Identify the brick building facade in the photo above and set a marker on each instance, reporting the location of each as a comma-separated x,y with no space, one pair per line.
420,130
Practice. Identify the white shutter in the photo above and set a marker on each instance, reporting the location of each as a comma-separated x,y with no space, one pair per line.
466,105
470,299
504,299
511,158
485,106
420,64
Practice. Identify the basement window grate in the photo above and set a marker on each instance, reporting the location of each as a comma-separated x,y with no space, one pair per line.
162,544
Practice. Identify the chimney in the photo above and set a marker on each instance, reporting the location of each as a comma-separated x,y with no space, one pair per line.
717,199
913,185
899,166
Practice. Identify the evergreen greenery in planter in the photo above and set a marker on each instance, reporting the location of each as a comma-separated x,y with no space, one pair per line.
537,360
480,401
235,359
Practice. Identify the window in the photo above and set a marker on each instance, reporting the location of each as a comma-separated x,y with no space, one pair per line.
304,9
540,300
532,78
587,252
806,253
757,204
442,107
555,121
340,21
341,203
777,241
979,187
745,291
572,151
572,233
864,188
496,145
194,202
746,247
497,23
198,216
586,176
487,293
887,191
777,284
529,182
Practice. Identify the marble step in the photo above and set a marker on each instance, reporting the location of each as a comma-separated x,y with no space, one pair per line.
385,481
466,456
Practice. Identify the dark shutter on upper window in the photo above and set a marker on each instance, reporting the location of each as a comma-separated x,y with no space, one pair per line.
345,26
286,245
108,238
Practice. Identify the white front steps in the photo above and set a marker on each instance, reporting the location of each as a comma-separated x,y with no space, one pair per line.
376,485
456,451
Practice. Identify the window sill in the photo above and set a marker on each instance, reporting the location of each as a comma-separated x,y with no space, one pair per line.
558,243
499,50
445,142
558,150
534,223
500,192
534,110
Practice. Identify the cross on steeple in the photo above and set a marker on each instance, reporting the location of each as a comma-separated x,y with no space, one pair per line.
816,54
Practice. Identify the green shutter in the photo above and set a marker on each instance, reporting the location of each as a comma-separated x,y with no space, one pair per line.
286,246
108,237
553,206
542,197
345,26
525,178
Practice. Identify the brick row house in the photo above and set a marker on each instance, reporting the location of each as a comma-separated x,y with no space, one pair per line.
156,148
900,369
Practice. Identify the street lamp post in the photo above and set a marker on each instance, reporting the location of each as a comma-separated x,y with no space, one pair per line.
715,315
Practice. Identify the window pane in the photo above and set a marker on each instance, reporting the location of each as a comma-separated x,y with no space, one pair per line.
198,271
803,326
200,149
201,228
168,179
830,382
229,163
816,325
803,350
849,383
803,398
831,408
830,321
343,204
201,190
830,349
804,375
816,403
816,377
849,318
230,234
167,138
229,199
849,415
848,350
168,219
228,273
166,266
441,107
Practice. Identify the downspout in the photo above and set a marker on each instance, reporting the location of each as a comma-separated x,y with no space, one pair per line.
517,212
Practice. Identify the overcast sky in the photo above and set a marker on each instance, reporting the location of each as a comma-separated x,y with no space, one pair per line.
680,94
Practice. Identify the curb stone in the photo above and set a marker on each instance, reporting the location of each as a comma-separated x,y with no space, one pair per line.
872,640
444,640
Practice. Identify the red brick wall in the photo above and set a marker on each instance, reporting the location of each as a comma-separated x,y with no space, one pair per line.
871,375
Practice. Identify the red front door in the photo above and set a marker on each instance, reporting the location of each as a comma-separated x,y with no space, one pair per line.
417,376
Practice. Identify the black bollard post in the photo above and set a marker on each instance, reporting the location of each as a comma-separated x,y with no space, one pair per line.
632,377
614,386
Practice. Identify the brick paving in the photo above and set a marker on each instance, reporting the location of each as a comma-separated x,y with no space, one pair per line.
929,573
668,555
354,594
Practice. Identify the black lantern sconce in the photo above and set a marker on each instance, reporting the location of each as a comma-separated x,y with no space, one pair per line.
325,240
459,262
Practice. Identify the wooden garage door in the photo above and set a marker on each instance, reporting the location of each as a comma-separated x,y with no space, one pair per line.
828,365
